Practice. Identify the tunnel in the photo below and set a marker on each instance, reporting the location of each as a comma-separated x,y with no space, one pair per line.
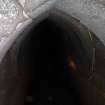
54,53
52,63
55,60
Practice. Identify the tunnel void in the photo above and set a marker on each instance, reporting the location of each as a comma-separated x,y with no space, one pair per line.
54,53
55,61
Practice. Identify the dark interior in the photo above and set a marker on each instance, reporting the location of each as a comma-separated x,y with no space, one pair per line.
52,56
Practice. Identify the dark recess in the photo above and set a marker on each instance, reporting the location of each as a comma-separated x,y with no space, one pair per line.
46,54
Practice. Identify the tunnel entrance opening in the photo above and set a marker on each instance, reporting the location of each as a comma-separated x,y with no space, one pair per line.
54,55
50,64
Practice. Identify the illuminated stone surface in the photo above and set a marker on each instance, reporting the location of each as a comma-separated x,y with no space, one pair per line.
10,15
36,7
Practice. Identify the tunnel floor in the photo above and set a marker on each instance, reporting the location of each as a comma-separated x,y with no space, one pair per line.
52,83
